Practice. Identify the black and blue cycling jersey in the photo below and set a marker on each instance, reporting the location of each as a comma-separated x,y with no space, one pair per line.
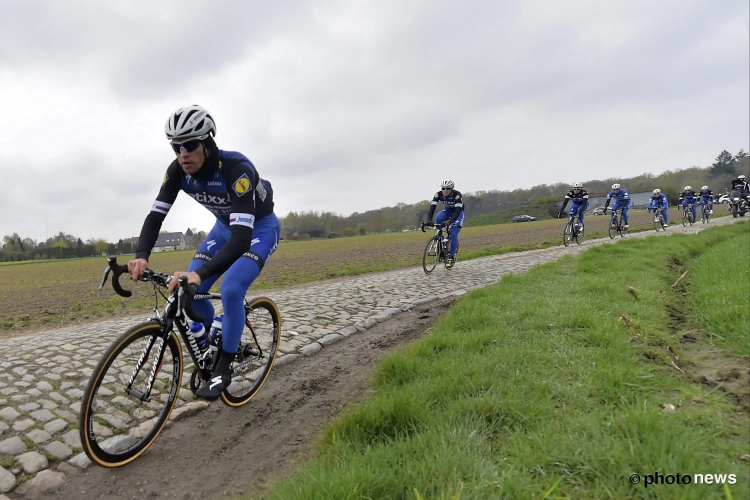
228,186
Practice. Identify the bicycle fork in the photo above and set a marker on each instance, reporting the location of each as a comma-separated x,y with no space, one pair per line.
155,368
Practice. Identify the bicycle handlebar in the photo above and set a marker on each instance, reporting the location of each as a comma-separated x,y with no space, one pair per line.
185,291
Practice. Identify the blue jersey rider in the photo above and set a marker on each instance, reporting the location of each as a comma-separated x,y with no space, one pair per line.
244,236
452,215
707,198
688,196
622,200
579,199
659,200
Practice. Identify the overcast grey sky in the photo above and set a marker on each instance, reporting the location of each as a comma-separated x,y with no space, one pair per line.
355,105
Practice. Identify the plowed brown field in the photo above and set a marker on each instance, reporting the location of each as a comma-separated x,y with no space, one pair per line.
38,295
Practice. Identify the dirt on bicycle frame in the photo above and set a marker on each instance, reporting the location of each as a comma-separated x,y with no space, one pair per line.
224,452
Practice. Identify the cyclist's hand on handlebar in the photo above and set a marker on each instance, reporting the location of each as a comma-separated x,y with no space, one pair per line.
136,268
192,277
559,215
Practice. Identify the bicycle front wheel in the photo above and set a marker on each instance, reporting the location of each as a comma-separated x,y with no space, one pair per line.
657,223
568,233
684,218
431,255
613,228
257,352
116,425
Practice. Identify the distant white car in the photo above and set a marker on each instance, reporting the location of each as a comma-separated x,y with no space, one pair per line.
723,199
598,211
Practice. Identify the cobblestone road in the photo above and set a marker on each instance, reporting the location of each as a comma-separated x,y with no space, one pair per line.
43,375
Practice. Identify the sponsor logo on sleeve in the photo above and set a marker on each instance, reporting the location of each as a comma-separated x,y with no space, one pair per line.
242,219
165,179
161,207
241,185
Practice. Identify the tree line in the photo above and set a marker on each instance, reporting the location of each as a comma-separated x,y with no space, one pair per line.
313,224
67,246
307,224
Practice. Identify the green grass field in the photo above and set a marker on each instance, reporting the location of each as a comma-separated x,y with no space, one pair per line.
551,385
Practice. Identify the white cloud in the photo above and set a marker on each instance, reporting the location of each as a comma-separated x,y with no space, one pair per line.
351,106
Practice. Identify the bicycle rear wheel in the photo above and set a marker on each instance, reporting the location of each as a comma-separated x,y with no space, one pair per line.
257,352
431,255
568,233
116,427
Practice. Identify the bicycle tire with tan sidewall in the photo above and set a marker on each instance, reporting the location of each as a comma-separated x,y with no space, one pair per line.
105,420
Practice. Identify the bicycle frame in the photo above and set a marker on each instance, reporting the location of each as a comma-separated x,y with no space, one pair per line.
616,223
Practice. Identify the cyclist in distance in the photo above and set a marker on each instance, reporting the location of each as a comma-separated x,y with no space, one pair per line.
707,198
580,202
688,196
453,213
741,185
244,236
659,200
622,200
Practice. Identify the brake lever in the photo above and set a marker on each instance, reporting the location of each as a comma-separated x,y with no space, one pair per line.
104,278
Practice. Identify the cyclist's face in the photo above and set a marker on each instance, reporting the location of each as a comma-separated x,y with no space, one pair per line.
616,190
576,190
191,161
446,191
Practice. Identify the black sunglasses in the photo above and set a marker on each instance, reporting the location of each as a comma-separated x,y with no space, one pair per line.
188,146
445,189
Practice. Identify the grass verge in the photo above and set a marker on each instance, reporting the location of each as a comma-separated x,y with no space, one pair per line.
547,385
720,294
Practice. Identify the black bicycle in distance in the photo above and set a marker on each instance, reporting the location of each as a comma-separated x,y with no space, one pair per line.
438,247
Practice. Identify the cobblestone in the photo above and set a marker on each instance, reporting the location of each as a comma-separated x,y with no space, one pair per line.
43,374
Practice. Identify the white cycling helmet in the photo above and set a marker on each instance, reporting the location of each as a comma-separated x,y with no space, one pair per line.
688,188
703,188
657,191
741,177
190,122
615,186
577,185
447,184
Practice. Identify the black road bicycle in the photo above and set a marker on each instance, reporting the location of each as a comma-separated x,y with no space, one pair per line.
705,212
438,248
616,224
659,224
573,230
687,215
136,383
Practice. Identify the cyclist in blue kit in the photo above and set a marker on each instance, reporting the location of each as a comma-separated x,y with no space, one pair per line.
244,236
580,203
707,199
659,200
622,200
452,215
688,196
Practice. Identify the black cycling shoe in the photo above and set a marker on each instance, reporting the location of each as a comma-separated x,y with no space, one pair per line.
221,377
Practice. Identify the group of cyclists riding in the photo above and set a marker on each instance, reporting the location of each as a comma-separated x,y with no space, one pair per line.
579,199
452,215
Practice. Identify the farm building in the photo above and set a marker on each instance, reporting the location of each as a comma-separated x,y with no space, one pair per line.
170,241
